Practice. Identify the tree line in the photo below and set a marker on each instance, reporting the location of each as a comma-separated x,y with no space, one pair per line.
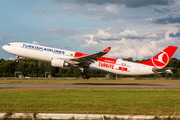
34,68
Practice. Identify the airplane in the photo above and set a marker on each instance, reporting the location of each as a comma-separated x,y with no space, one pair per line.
66,59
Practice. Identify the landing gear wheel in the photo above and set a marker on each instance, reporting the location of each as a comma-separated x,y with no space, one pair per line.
80,73
17,61
83,74
87,77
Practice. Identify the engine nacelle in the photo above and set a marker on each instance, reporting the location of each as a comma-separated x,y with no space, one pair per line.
55,62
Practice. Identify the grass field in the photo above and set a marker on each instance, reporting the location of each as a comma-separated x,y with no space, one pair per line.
104,101
72,81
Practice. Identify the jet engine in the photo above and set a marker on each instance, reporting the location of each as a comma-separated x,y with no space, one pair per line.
55,62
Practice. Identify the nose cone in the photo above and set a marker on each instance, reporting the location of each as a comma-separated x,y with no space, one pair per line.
8,49
4,47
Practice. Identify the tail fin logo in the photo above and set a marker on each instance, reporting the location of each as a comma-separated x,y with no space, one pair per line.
161,59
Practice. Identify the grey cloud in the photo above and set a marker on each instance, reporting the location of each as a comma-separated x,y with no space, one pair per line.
128,3
164,10
87,38
81,34
64,47
105,39
65,31
110,39
166,20
92,11
3,37
174,35
175,10
128,34
61,33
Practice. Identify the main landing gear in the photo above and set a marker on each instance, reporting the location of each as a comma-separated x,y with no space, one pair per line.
83,74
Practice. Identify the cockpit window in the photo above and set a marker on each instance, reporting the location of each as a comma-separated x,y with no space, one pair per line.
9,44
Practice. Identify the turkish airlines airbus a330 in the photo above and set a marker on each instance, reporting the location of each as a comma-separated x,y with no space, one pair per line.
68,59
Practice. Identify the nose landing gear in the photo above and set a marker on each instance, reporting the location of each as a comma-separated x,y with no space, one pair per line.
17,60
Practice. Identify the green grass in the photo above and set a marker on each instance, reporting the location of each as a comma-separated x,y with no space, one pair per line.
72,81
100,101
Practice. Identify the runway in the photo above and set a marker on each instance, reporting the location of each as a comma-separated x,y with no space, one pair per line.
93,85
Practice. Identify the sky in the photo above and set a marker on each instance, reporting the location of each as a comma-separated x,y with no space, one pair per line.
133,28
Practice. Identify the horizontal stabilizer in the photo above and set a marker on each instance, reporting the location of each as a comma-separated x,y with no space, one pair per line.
166,70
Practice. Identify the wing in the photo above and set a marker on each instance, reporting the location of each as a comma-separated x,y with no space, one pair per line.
88,59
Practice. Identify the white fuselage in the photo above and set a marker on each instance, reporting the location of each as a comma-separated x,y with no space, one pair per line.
44,53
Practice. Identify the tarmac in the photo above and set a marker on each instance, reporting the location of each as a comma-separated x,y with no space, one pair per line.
93,85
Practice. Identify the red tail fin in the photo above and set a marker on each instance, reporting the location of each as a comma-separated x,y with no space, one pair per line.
161,59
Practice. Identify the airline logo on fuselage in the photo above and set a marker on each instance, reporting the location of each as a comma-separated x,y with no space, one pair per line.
161,59
111,66
123,69
43,49
106,65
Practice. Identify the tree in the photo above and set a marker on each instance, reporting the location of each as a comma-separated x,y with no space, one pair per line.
38,68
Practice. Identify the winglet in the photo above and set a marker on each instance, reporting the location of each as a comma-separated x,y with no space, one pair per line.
107,49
